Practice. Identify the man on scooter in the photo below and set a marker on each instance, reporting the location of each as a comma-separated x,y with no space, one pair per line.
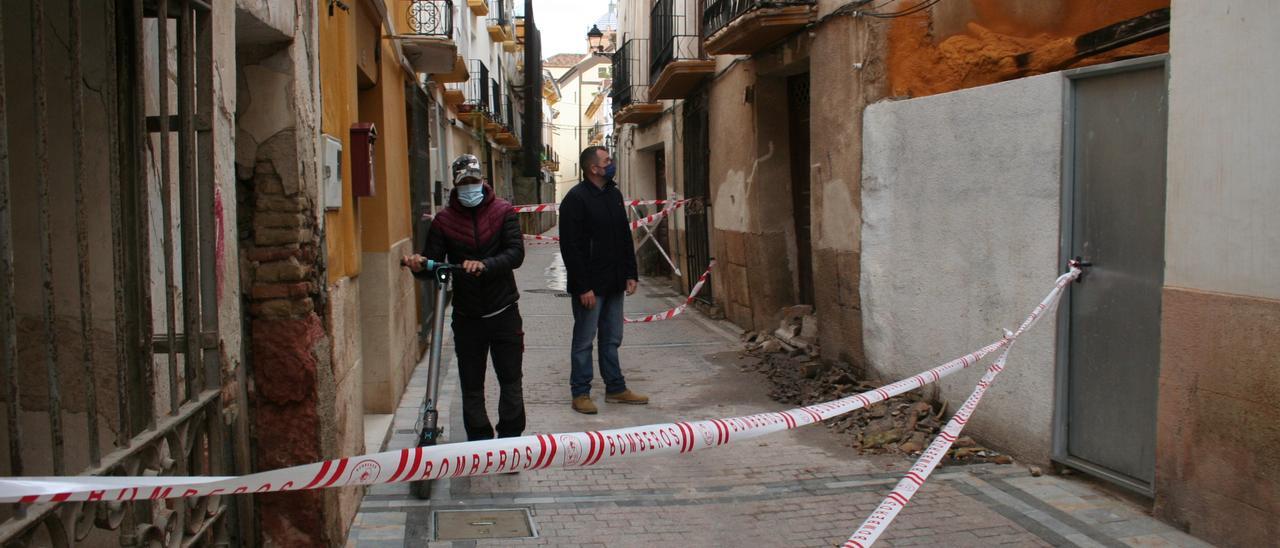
479,231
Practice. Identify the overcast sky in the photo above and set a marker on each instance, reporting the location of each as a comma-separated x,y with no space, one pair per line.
564,23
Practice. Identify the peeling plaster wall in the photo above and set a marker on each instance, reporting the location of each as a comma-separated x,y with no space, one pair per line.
961,207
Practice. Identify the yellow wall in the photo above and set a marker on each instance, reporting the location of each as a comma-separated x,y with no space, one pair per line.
385,217
339,111
374,223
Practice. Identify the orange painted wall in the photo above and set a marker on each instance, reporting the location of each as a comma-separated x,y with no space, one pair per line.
385,217
968,43
339,109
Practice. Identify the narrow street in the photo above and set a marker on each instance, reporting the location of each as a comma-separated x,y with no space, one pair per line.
797,488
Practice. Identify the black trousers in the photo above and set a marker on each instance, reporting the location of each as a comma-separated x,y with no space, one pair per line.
475,340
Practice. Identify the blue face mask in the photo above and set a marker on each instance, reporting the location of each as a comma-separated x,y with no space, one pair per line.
610,171
471,195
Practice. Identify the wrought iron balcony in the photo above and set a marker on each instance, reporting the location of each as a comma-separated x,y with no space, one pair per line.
748,26
630,92
431,18
500,24
429,46
678,62
475,94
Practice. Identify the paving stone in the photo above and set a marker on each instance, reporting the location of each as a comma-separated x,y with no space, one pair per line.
798,488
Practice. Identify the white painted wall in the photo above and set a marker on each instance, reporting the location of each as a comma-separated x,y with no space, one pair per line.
960,238
1223,212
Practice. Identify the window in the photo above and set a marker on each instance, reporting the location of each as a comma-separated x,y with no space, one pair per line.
604,72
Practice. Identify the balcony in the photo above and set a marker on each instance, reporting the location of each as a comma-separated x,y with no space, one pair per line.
475,95
500,25
430,46
744,27
631,101
678,63
550,159
478,7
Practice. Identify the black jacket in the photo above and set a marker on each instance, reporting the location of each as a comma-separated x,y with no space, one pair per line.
595,239
488,233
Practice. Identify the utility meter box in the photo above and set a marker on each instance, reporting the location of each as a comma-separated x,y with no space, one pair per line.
331,173
363,136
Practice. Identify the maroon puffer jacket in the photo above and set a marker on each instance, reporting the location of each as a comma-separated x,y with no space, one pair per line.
489,233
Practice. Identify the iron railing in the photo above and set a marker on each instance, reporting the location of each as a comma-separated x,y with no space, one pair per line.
139,389
495,100
720,13
500,15
475,91
630,80
673,34
431,18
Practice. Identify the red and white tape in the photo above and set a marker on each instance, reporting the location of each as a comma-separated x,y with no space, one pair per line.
643,221
879,520
536,452
541,451
697,288
541,208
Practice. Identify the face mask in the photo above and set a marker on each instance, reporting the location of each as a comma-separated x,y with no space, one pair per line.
471,195
610,171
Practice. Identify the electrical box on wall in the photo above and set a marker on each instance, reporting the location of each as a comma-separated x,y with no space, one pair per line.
331,173
363,135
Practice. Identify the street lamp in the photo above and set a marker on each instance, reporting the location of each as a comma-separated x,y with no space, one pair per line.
595,39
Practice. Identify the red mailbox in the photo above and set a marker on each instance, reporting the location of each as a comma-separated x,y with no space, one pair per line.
363,135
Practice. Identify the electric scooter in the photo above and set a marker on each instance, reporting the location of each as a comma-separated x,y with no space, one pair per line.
428,428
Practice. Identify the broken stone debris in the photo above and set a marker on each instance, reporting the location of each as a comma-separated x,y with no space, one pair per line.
904,424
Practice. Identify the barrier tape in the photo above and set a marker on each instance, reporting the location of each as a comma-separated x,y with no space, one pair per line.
702,280
540,208
535,452
879,520
643,221
478,458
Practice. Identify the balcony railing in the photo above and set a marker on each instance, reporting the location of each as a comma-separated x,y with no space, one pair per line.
673,34
720,13
500,24
475,91
431,18
630,81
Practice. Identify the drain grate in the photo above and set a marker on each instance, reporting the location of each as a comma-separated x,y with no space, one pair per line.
483,524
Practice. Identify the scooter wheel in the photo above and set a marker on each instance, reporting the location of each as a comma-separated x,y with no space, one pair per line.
421,489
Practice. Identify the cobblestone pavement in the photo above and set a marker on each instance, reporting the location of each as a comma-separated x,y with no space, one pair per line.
795,488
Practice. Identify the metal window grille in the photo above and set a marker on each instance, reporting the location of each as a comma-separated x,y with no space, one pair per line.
117,369
630,80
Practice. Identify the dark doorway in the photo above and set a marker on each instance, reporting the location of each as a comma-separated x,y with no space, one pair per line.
798,136
655,264
697,186
418,111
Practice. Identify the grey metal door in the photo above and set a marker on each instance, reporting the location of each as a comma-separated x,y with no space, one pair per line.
1115,190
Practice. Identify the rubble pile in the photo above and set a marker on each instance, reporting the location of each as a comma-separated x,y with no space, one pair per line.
904,424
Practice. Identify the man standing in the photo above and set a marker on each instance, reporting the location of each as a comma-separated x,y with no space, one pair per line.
479,231
595,241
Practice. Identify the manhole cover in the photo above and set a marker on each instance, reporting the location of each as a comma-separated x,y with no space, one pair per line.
483,524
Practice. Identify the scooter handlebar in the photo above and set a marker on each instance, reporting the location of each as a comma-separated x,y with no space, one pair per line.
433,266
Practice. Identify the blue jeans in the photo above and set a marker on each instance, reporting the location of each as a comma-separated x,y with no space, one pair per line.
606,318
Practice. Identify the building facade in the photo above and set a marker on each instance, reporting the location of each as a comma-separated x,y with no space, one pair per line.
903,168
240,306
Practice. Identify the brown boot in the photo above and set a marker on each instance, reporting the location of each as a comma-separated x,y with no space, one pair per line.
627,396
583,404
